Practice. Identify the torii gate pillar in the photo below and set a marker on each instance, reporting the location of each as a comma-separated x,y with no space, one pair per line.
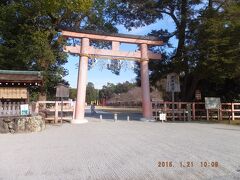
82,84
146,102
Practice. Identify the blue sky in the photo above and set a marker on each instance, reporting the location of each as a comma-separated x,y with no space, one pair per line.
100,76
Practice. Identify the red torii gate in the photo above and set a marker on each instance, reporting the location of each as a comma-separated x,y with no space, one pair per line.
85,51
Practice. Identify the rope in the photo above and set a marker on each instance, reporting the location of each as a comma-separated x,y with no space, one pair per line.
111,58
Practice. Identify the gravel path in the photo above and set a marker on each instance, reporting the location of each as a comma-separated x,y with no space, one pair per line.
122,150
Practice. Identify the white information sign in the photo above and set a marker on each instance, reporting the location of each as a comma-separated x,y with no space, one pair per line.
212,103
162,116
24,109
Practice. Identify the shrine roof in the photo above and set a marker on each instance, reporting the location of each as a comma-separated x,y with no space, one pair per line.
12,76
38,73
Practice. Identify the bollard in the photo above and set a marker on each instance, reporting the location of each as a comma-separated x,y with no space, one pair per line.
100,117
128,119
115,117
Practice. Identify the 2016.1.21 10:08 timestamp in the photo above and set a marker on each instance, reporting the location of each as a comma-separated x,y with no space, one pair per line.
188,164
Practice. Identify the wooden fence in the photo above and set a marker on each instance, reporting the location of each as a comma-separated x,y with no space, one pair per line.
51,110
196,110
10,109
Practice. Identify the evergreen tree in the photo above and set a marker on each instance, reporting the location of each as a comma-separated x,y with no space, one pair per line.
207,50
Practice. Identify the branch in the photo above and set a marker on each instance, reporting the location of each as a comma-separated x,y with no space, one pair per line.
219,7
171,14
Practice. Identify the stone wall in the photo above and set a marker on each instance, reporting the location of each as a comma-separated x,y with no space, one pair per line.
22,124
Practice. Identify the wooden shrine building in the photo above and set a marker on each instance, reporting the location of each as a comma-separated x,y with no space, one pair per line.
14,85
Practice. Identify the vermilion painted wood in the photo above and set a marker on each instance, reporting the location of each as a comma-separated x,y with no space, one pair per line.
91,51
86,51
82,83
146,102
228,111
111,38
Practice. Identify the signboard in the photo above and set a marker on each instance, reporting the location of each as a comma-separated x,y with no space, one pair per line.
162,116
13,93
62,91
198,95
212,103
173,83
24,109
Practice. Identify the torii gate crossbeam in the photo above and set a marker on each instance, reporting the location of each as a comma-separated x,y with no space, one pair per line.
85,51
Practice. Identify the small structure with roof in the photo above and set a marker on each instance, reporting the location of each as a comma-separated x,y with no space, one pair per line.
14,89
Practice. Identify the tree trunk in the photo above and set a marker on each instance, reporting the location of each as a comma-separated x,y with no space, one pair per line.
210,4
189,87
182,30
191,91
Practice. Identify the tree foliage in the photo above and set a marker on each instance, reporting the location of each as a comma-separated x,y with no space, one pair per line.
91,93
105,93
214,50
207,49
110,89
206,33
29,37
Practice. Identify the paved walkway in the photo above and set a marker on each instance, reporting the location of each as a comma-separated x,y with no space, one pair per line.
109,116
122,150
